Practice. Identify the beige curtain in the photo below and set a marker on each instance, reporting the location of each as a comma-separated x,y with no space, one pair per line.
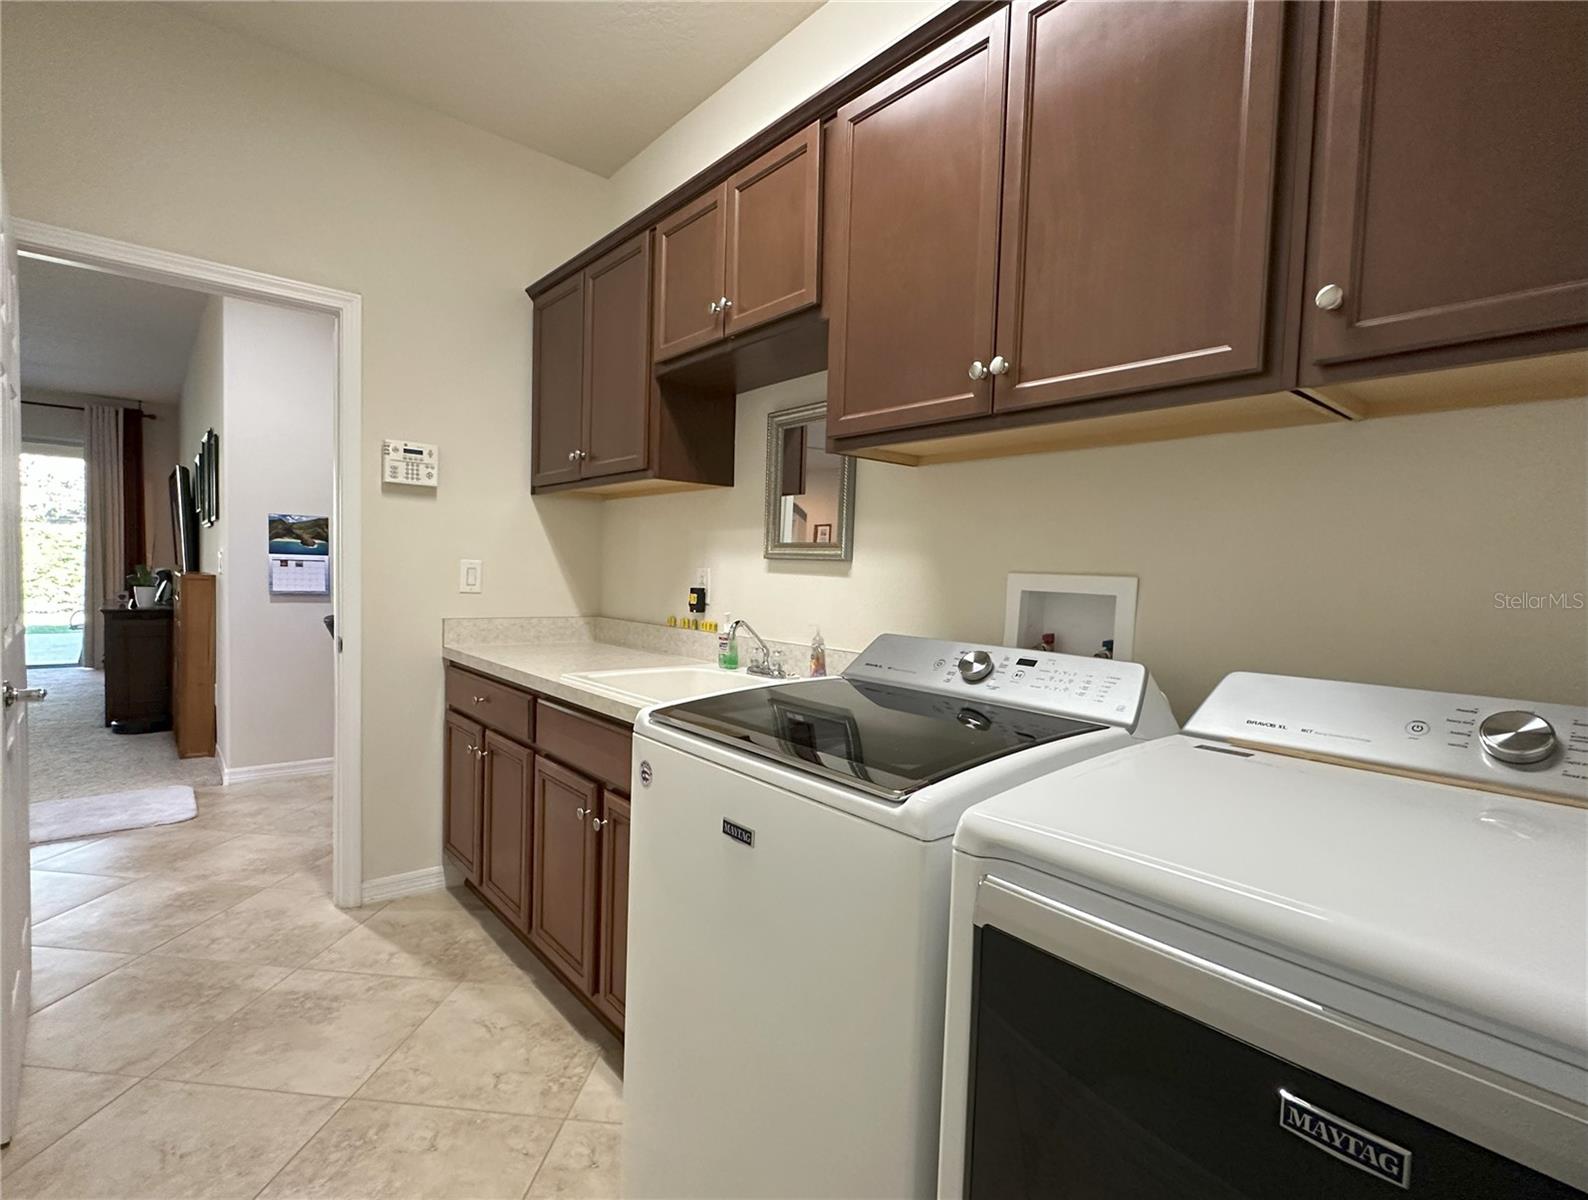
106,531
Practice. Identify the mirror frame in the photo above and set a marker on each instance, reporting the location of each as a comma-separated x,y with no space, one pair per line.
842,547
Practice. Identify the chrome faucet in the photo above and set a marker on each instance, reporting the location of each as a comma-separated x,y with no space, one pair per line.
761,659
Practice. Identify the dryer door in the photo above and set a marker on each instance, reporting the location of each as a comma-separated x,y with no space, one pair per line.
1105,1064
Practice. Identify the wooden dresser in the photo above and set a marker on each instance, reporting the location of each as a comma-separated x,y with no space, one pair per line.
193,665
137,668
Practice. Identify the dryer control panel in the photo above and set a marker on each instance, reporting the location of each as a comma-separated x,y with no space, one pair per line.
1097,689
1516,745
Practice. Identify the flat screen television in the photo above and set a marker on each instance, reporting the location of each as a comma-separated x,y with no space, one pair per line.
184,520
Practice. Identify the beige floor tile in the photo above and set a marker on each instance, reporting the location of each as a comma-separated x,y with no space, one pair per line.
142,1014
52,1104
453,945
58,972
49,850
315,880
140,916
586,1161
141,852
489,1046
601,1098
56,891
256,859
174,1140
316,1032
393,1151
440,900
276,927
286,818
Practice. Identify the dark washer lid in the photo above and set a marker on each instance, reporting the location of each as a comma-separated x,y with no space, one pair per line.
884,740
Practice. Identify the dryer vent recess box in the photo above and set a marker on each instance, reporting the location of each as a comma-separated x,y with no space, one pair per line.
1080,611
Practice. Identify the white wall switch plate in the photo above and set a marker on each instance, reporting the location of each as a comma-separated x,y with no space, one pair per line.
471,575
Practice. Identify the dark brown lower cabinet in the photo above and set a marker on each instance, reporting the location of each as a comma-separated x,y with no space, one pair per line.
508,803
564,870
612,970
462,795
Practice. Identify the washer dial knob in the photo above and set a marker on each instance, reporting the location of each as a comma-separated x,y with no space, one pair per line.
975,665
1517,737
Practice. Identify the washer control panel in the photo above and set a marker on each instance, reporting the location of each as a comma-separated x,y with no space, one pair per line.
1096,689
1470,739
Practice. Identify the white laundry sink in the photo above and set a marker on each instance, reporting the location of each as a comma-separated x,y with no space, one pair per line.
661,685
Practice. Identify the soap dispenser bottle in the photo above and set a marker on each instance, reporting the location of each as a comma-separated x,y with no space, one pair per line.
727,645
818,656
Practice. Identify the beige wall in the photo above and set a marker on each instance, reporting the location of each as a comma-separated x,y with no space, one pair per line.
137,122
1370,551
161,452
202,409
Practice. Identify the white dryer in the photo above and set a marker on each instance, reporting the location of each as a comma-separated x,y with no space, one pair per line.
788,906
1331,941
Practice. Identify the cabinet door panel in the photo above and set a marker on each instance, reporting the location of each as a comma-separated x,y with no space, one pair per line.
563,870
612,977
558,383
1140,185
914,250
461,794
504,856
1450,179
617,360
689,275
773,233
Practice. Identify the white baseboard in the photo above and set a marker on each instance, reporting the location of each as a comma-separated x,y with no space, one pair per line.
409,883
282,770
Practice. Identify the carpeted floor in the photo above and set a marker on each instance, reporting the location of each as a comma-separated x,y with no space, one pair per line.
72,753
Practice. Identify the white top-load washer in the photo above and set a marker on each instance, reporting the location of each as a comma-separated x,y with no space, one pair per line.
788,910
1330,941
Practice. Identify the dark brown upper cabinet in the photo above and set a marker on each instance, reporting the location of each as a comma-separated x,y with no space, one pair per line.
1142,180
508,798
617,362
772,257
745,253
913,261
462,794
689,275
558,411
1450,184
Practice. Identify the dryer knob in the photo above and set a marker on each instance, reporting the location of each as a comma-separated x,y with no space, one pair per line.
975,665
1517,738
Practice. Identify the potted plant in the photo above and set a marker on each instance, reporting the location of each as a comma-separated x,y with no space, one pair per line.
143,586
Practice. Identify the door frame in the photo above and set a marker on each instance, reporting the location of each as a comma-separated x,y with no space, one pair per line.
181,270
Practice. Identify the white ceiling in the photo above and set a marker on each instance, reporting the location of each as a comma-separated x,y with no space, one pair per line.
104,335
591,82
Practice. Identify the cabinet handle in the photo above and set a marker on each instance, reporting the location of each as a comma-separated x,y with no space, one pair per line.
977,371
999,365
711,307
724,304
573,456
482,699
481,754
597,823
580,813
1330,296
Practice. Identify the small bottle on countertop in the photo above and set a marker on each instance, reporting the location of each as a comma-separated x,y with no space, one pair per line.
818,656
727,646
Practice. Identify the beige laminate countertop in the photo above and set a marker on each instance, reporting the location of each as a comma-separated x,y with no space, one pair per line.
540,667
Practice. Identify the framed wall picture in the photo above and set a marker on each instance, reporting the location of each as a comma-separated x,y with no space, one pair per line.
212,449
823,534
200,487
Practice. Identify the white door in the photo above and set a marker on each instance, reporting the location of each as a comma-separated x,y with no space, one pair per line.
16,904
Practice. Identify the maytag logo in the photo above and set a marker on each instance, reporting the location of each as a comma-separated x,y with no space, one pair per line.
745,837
1347,1142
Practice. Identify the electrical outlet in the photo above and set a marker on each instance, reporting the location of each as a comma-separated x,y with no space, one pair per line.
471,575
703,578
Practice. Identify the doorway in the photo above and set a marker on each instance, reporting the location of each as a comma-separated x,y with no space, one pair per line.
54,553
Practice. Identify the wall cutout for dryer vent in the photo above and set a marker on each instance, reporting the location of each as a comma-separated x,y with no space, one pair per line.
1081,611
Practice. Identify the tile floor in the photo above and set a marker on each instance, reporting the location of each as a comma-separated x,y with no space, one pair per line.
207,1023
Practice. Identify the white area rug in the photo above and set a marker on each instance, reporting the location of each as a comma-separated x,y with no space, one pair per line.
72,753
84,816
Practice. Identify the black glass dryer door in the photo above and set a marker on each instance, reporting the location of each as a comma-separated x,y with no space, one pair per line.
1082,1090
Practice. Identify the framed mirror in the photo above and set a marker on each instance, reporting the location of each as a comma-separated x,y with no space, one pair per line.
810,494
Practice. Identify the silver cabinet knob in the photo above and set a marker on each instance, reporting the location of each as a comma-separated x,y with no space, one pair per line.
1330,296
597,824
977,371
975,665
580,813
10,694
1517,738
999,365
724,304
480,699
573,456
711,307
